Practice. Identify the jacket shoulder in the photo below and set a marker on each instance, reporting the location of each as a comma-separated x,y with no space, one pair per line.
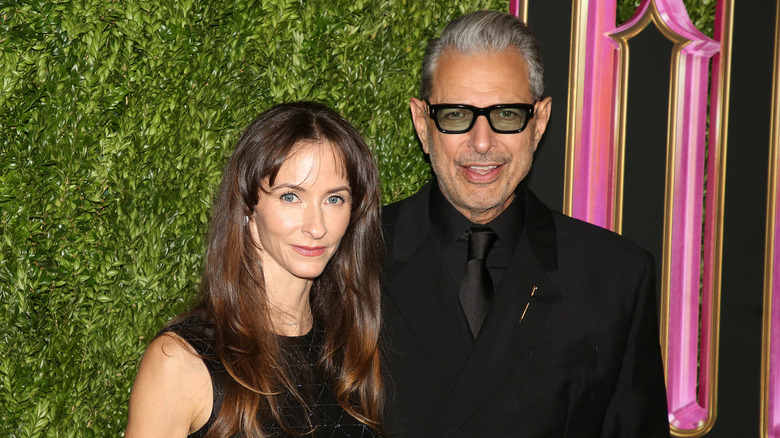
577,238
407,216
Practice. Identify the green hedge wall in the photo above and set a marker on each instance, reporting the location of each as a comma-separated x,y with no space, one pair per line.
116,117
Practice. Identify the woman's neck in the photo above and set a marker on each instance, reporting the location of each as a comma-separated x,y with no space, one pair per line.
289,305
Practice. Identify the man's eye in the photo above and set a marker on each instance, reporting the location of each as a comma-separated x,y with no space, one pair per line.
508,114
454,115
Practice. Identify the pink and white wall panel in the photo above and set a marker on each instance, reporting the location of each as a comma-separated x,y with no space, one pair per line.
770,373
699,86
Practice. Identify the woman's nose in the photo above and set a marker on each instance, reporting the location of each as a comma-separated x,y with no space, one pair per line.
313,222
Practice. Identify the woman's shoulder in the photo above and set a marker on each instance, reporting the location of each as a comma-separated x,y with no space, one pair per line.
172,393
172,351
196,331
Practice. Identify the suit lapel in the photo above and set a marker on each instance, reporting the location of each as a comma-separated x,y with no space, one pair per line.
504,341
422,291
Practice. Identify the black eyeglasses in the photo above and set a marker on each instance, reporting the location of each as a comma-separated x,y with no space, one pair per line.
506,118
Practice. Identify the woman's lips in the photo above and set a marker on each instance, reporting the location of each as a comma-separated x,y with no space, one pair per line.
309,251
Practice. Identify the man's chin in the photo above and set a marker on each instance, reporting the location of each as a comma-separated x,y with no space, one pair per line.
480,208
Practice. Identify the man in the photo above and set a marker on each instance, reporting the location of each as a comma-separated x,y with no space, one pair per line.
556,335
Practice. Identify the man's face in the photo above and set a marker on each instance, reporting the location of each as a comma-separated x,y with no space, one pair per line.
479,170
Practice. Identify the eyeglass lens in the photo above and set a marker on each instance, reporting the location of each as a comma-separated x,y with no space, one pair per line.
503,119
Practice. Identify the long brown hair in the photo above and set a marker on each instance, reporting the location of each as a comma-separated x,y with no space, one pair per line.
344,299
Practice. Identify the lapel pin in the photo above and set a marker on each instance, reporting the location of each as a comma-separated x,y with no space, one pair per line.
533,291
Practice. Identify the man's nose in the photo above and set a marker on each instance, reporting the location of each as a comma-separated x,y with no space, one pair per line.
481,135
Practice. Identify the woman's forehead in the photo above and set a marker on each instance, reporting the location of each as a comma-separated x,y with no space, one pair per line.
307,160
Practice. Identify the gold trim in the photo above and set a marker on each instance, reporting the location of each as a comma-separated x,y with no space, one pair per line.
720,172
717,155
717,139
771,221
622,38
579,27
522,10
620,134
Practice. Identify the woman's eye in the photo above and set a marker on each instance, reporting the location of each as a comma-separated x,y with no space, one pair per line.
288,197
335,199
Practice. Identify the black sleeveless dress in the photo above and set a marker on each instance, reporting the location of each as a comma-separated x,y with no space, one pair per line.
327,417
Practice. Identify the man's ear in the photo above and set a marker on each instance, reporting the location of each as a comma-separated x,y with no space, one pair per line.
541,117
420,120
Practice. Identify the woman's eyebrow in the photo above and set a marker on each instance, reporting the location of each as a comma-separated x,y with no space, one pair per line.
288,186
341,188
302,189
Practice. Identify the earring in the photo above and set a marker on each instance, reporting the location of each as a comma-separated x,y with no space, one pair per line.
246,220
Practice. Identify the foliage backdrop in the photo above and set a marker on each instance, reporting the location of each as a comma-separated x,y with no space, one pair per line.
116,117
115,120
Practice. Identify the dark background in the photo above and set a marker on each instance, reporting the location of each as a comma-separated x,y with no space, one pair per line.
747,148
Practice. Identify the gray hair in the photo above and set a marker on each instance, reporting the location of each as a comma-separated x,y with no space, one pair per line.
485,32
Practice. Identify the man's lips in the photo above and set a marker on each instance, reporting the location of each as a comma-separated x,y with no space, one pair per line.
481,173
482,170
309,251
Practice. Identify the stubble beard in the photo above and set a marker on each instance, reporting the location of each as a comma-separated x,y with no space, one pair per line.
471,200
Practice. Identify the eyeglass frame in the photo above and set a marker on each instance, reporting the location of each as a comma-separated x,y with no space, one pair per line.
529,107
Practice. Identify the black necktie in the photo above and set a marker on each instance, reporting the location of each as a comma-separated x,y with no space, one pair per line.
476,287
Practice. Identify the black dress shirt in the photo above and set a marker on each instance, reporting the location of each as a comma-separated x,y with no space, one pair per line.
449,225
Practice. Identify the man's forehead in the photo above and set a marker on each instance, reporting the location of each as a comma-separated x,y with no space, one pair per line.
500,76
510,54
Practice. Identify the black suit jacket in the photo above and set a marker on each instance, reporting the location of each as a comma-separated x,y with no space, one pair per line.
584,360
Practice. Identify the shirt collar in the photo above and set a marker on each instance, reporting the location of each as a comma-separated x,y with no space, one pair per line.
448,224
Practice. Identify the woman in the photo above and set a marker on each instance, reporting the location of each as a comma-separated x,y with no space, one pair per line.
284,342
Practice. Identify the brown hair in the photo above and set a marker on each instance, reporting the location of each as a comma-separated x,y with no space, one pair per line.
344,299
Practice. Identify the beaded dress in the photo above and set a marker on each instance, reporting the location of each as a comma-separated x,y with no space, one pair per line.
327,417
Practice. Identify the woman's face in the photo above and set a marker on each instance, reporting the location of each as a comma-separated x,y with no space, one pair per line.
299,223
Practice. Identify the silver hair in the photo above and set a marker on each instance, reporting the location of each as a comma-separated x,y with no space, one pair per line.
485,32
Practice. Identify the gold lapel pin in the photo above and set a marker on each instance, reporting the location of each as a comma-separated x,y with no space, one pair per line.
533,291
